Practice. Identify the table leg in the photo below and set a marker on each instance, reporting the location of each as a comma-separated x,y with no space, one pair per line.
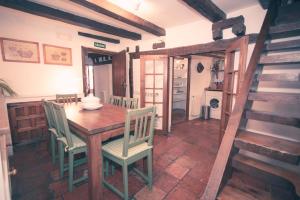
95,167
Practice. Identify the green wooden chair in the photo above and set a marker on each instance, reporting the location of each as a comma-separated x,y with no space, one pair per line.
132,148
115,100
130,103
66,98
70,143
51,128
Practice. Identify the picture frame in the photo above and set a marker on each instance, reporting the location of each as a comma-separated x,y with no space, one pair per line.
14,50
56,55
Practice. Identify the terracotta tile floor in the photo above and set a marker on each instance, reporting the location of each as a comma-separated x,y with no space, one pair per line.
182,162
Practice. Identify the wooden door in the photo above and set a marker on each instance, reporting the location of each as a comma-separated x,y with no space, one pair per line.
119,73
235,67
154,87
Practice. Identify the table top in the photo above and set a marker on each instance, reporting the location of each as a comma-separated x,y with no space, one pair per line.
90,122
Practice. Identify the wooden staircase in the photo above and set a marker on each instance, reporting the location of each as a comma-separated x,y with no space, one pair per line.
261,144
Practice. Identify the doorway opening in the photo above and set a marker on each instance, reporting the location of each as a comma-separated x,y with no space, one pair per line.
97,73
180,89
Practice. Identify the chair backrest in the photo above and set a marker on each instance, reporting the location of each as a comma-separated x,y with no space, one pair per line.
130,103
66,98
49,113
115,100
62,126
143,129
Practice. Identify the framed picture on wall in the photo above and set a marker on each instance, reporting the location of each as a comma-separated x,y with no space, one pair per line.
19,50
56,55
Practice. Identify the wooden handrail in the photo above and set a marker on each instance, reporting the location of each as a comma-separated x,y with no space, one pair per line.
222,158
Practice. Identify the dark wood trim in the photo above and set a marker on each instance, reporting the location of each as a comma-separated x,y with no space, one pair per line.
15,40
131,87
99,37
219,45
188,89
106,8
207,8
69,18
84,52
158,45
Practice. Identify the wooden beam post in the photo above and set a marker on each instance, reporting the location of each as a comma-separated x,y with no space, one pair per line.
207,8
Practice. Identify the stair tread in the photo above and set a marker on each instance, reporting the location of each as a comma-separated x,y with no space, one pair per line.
280,77
280,59
240,190
288,98
290,176
285,30
271,146
290,44
274,118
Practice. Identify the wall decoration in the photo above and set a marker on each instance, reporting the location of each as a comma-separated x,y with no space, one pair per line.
57,55
19,50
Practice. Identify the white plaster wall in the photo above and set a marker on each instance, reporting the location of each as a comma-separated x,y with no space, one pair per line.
198,82
200,31
41,79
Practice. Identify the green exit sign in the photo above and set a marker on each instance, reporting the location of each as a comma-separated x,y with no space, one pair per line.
99,45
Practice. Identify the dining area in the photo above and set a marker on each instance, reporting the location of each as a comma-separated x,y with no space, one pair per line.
112,151
85,127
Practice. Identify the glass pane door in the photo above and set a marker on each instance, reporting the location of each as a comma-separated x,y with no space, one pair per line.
154,73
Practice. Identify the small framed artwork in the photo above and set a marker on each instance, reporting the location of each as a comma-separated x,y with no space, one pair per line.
19,50
56,55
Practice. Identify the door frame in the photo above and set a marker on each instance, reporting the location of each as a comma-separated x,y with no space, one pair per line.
228,95
84,52
187,106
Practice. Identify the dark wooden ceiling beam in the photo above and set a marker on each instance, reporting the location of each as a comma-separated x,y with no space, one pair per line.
219,45
264,3
55,14
207,8
99,37
106,8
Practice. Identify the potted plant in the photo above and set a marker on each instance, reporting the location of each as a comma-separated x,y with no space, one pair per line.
5,89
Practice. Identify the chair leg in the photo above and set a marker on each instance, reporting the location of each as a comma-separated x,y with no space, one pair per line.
125,180
149,163
61,158
112,168
71,159
53,148
106,162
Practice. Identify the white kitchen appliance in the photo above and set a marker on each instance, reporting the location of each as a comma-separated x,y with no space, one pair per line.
214,100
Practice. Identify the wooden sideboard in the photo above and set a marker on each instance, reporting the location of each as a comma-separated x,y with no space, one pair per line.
27,122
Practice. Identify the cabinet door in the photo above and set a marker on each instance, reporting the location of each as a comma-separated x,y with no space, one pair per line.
154,87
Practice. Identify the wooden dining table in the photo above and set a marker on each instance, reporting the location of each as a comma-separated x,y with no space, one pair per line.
95,126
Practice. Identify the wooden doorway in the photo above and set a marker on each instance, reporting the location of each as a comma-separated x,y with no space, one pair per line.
235,67
180,89
119,74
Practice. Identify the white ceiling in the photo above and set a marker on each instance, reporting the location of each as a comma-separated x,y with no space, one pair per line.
164,13
169,13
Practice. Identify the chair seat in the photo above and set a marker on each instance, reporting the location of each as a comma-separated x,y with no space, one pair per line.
77,142
115,148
